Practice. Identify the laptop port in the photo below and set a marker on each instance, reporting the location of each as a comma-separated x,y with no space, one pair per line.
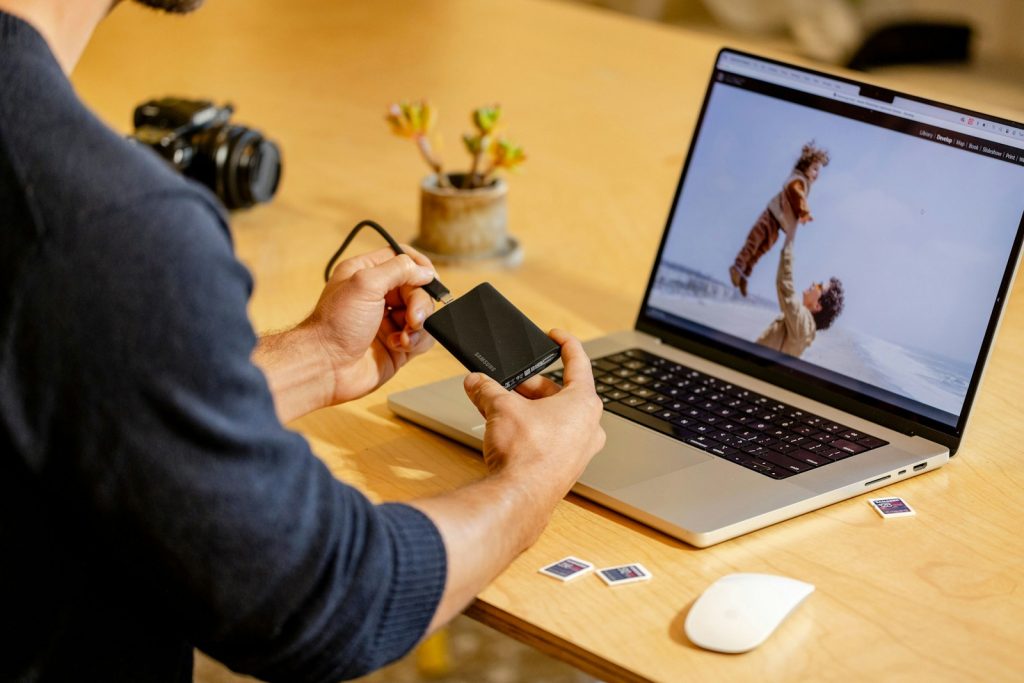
901,472
920,466
875,481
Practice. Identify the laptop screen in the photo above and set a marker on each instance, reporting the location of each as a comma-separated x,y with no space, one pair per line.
860,239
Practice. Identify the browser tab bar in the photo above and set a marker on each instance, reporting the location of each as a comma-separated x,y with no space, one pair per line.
776,73
866,96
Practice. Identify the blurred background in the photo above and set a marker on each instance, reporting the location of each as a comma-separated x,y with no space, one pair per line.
930,46
938,45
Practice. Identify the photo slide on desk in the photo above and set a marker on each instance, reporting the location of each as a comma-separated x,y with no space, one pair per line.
918,233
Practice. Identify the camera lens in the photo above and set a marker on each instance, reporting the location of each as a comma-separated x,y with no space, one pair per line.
241,166
253,169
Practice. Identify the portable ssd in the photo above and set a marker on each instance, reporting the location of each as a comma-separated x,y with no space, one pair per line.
488,334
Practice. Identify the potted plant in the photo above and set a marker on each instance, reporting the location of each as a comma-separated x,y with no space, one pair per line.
463,216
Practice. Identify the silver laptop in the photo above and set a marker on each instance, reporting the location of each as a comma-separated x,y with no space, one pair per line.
767,377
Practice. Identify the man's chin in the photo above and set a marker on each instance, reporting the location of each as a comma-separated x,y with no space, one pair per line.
173,6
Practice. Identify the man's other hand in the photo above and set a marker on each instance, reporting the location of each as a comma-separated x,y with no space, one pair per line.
544,435
539,440
369,318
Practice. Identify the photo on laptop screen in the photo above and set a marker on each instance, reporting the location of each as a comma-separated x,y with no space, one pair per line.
901,217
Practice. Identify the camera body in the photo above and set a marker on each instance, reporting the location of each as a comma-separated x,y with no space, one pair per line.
237,163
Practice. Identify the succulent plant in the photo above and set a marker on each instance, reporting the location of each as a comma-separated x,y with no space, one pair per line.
488,152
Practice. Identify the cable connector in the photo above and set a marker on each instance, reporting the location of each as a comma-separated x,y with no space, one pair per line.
436,290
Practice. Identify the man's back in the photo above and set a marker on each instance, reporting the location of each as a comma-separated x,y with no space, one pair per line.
57,166
151,501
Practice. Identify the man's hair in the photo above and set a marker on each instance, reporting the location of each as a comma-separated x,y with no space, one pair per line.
810,154
172,6
831,303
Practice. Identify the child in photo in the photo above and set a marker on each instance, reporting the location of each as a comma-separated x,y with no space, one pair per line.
785,210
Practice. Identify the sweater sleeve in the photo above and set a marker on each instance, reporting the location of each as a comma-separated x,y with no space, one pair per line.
174,455
797,319
789,302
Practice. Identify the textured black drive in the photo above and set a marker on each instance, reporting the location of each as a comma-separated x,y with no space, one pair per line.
488,334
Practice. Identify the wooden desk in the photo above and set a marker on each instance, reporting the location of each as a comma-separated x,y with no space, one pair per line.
605,106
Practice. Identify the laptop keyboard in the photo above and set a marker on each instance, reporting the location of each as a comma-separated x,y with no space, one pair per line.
723,419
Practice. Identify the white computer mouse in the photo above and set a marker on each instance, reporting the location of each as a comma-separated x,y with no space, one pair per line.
739,611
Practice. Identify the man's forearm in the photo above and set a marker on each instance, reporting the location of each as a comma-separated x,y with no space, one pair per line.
784,276
789,300
297,371
485,526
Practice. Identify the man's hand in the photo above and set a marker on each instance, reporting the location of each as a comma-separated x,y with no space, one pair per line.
545,435
367,324
536,446
369,319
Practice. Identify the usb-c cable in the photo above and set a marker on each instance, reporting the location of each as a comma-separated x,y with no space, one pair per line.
436,290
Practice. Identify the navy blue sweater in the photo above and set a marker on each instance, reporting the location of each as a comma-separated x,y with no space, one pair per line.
150,500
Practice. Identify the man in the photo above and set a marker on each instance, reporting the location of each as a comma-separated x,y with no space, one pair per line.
802,315
151,500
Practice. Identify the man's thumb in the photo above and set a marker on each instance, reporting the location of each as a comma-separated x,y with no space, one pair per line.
482,391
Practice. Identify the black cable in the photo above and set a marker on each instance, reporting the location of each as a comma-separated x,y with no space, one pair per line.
352,235
434,288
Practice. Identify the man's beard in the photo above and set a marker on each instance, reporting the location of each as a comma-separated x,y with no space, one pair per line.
174,6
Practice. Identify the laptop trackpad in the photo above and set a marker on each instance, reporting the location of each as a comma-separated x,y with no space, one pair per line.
634,454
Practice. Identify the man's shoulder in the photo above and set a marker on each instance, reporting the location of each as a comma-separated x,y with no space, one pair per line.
85,172
70,165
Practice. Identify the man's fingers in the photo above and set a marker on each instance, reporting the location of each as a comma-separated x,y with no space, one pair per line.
417,256
538,387
416,303
402,292
375,282
350,266
484,392
577,368
419,303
